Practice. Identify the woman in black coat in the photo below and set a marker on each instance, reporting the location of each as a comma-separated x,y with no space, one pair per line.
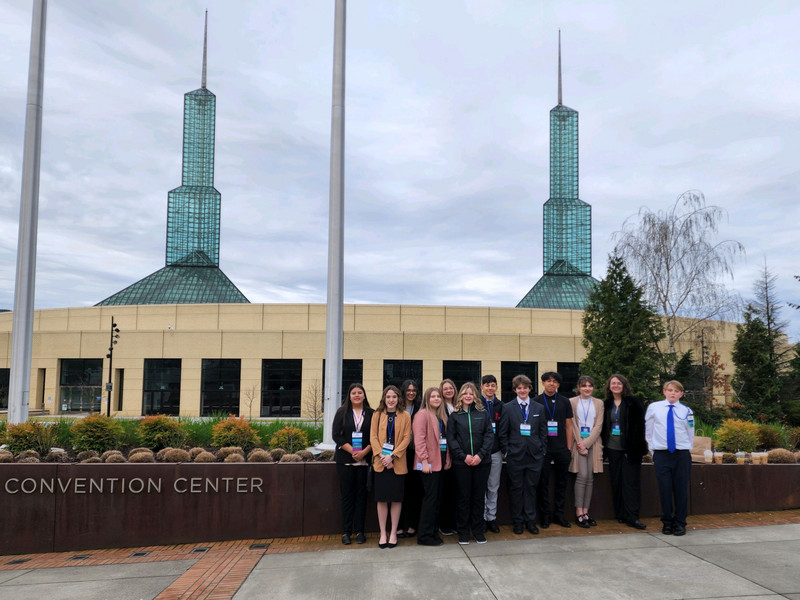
624,444
470,441
351,429
412,499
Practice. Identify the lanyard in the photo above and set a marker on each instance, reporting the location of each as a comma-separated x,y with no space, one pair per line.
524,411
441,428
389,429
469,419
549,412
358,421
675,412
586,408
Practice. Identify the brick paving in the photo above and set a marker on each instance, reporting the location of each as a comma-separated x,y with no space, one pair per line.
221,567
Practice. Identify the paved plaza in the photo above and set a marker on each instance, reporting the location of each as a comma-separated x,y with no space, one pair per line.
746,556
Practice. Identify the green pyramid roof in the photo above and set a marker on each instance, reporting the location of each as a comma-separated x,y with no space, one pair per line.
193,280
562,287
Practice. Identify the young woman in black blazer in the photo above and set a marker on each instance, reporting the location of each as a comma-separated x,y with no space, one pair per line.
624,444
351,429
412,499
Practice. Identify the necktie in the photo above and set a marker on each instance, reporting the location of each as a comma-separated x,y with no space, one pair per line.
671,429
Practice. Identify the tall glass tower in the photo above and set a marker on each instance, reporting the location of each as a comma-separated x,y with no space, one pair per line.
567,280
192,274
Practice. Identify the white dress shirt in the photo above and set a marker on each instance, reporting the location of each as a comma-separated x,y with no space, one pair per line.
656,426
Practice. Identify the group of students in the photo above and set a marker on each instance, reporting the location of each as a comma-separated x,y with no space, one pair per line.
434,463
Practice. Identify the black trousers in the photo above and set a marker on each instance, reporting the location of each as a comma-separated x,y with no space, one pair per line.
429,514
353,487
522,481
447,508
559,468
625,485
471,497
673,470
409,514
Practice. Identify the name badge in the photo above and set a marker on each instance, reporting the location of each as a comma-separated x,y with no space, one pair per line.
585,431
494,427
525,429
552,428
691,421
387,449
443,444
358,439
615,430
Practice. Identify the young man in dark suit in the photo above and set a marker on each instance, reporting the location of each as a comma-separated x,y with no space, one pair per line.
523,434
495,408
558,413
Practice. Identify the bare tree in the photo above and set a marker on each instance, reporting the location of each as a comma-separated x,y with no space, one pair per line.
250,396
673,255
315,402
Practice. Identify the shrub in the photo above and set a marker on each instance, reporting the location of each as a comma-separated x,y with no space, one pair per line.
92,459
234,431
224,453
770,436
57,455
6,456
231,458
793,438
268,429
104,456
160,454
737,435
96,432
115,458
29,459
28,454
277,454
142,457
259,455
205,457
140,451
161,431
325,456
780,456
177,455
82,456
195,451
290,458
31,435
290,438
306,455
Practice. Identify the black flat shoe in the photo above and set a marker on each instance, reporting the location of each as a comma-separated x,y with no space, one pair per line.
678,530
410,534
360,538
532,528
346,539
562,521
402,535
582,522
518,529
667,530
492,526
590,520
637,524
391,545
383,546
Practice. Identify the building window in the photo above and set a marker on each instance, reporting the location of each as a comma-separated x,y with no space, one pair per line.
462,371
80,385
220,386
281,383
395,372
509,370
161,386
352,372
569,371
5,375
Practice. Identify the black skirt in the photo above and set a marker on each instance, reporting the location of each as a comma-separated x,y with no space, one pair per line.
389,486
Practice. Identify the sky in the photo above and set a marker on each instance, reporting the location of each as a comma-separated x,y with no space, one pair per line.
447,138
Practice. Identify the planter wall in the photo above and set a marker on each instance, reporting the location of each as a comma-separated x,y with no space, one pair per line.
54,508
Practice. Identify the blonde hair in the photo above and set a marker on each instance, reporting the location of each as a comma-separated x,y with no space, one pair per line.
478,401
674,383
441,412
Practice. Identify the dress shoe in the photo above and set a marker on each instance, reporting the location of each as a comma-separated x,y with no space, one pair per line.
518,529
391,545
637,524
492,526
532,528
360,538
667,530
402,535
582,521
383,546
559,520
546,523
678,530
590,520
346,539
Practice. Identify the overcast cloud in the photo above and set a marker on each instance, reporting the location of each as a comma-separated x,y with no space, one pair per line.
447,134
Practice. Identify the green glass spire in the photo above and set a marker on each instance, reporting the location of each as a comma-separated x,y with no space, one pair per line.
567,220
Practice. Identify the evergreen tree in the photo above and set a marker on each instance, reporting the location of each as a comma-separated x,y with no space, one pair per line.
621,332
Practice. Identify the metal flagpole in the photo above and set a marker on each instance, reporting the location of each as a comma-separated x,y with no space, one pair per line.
335,306
22,324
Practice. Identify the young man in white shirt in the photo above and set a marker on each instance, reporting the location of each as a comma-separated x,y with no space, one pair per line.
669,430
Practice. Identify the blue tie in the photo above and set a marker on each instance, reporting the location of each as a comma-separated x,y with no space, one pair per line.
671,429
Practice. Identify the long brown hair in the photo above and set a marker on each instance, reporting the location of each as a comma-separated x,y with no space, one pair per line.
400,404
441,412
626,387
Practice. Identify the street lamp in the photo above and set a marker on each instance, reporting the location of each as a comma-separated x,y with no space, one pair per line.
110,356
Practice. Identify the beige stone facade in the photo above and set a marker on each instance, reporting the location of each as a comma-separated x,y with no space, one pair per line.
254,332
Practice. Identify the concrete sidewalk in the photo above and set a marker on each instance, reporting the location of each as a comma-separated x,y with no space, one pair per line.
742,562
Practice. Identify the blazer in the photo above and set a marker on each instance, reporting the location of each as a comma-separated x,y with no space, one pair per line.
402,437
426,440
631,426
470,432
593,441
497,412
520,449
343,427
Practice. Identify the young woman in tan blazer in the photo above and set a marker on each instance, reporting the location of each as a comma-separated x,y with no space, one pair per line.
390,435
587,447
